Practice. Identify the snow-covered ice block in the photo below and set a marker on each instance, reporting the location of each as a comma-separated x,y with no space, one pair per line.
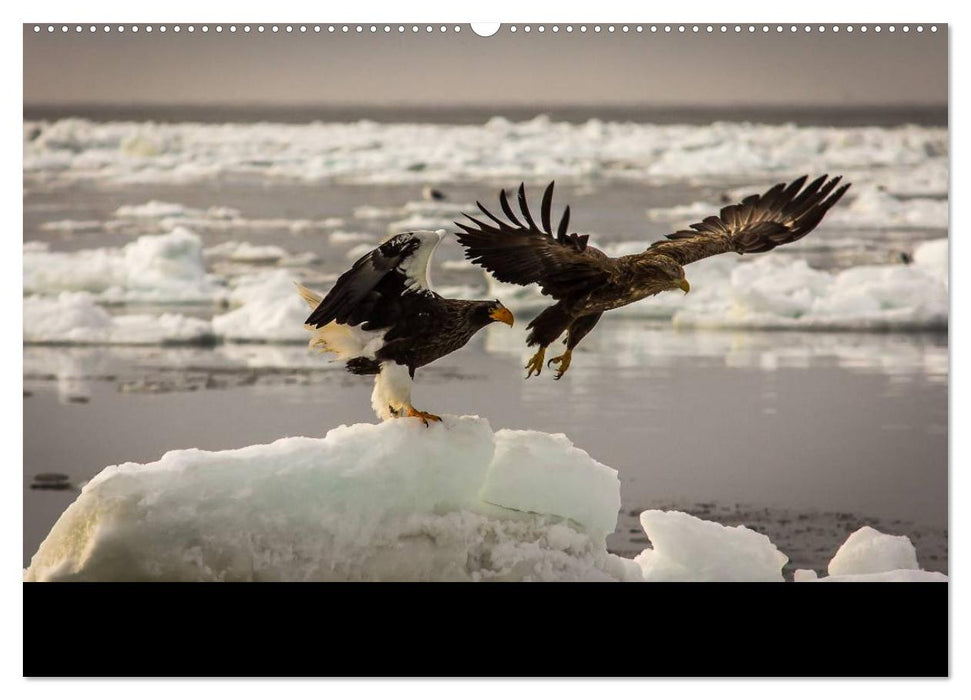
869,551
393,501
543,473
270,310
686,548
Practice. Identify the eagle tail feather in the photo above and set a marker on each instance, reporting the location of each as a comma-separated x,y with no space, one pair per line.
311,297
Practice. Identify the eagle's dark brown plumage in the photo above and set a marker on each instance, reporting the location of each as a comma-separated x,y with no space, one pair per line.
586,282
381,318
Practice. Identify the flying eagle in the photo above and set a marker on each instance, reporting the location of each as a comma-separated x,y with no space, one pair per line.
381,318
585,282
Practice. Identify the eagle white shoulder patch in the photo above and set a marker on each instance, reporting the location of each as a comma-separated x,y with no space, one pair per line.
415,266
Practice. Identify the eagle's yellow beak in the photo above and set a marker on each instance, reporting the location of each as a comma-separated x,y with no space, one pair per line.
683,284
501,314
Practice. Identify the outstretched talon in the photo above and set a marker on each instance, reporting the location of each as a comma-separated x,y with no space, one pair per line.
535,363
563,362
413,412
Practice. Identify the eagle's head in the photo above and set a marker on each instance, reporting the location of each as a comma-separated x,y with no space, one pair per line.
670,273
486,312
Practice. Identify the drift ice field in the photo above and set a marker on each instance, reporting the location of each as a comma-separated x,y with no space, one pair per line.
809,383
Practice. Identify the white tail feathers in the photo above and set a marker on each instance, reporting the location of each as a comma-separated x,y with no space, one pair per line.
346,342
312,298
392,385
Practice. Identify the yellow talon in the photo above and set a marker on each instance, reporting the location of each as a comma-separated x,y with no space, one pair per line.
535,363
563,362
413,412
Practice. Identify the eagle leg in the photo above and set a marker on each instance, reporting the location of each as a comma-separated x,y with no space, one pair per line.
563,362
535,363
578,329
412,412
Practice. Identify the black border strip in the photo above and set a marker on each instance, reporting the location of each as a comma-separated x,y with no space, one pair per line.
505,630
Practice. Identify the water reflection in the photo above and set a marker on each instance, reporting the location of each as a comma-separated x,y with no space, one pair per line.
622,344
630,343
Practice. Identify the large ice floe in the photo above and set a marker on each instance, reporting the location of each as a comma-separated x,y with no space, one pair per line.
367,502
398,501
782,292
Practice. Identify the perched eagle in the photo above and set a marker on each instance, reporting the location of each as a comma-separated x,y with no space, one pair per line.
585,282
381,318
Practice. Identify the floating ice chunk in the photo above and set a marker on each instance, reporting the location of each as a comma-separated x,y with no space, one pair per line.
246,252
154,210
342,237
685,214
394,501
50,319
542,473
927,178
71,226
868,551
166,268
932,256
776,291
872,206
371,212
270,310
75,317
686,548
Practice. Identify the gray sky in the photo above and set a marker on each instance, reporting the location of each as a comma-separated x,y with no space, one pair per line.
464,69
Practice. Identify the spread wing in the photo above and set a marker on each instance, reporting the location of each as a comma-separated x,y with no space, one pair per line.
781,215
370,284
521,252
